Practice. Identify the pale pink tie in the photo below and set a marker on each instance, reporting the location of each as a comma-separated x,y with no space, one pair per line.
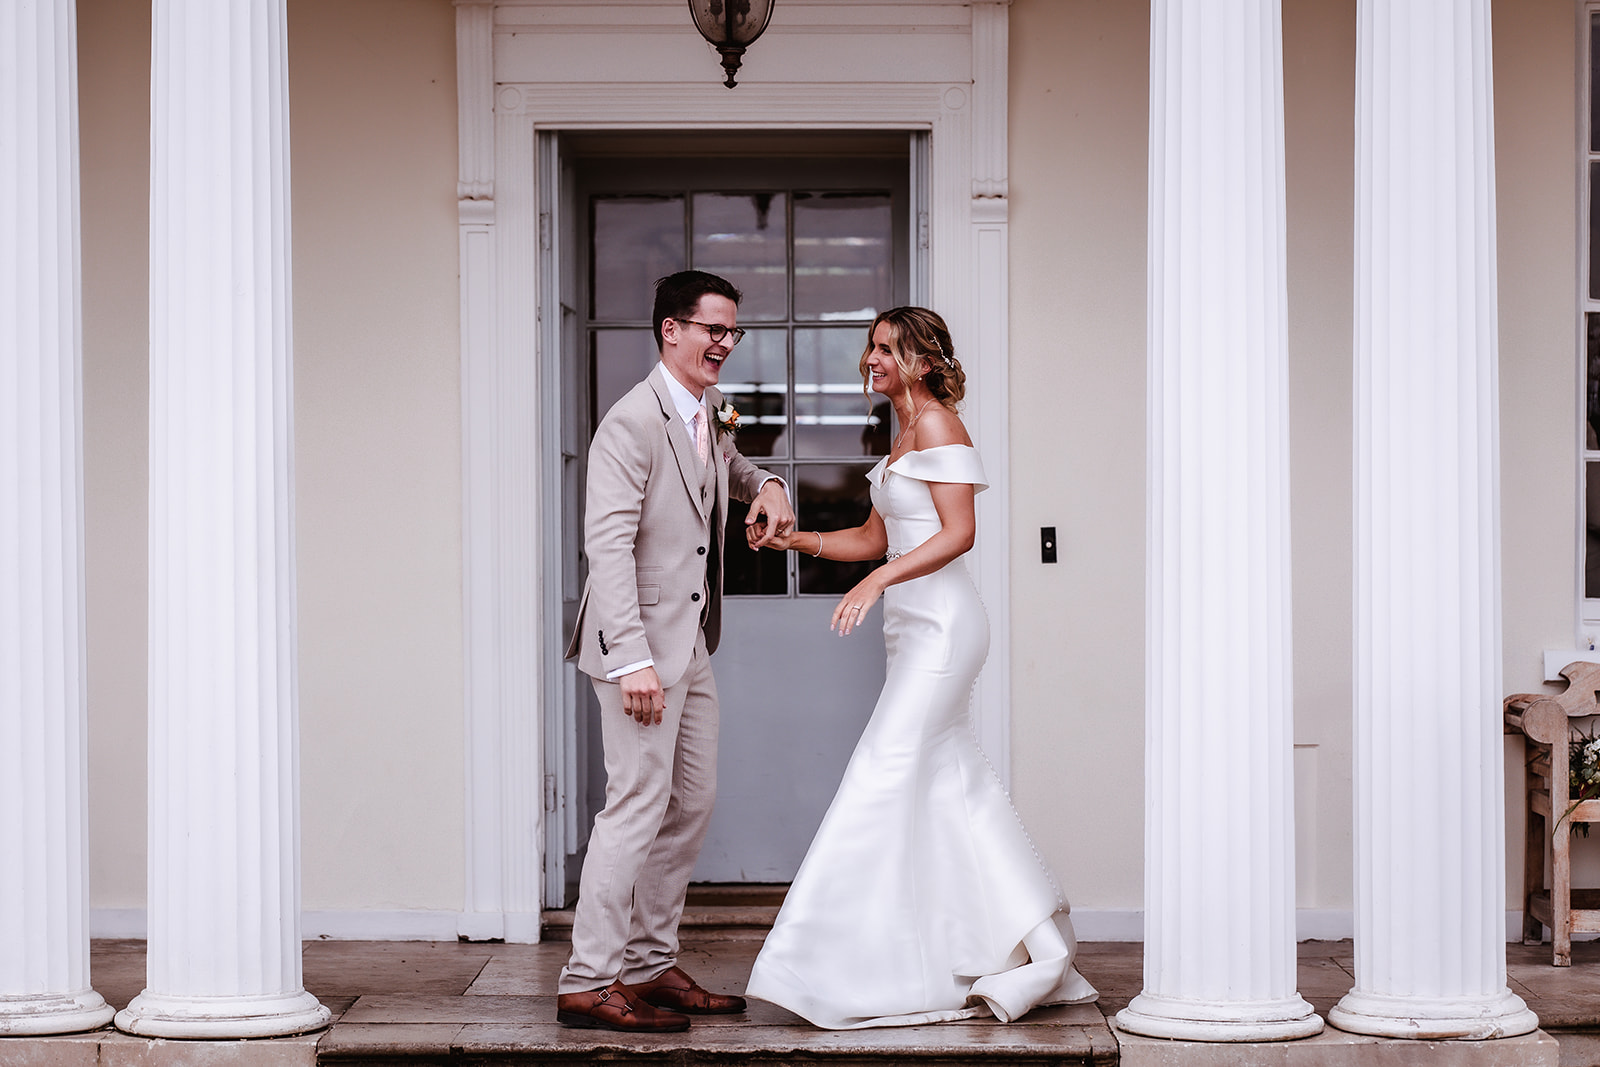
702,437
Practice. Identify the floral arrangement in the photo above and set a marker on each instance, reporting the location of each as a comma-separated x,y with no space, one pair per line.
726,418
1583,770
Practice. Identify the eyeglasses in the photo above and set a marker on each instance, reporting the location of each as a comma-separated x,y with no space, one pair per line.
716,330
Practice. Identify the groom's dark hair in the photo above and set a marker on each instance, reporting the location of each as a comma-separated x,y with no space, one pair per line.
678,294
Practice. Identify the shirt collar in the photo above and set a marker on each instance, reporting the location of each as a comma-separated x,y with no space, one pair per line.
682,399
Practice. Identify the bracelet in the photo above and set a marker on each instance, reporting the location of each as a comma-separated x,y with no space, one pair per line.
818,552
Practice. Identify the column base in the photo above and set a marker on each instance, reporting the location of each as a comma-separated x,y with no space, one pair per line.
1151,1015
54,1013
1434,1018
270,1015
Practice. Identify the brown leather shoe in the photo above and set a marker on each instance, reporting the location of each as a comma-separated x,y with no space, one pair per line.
676,990
616,1007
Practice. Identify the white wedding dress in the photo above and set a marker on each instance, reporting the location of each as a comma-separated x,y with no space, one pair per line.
921,898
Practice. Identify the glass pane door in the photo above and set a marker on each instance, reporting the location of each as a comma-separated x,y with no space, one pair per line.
819,243
816,264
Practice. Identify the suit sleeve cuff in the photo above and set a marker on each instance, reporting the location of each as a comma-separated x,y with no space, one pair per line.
780,481
612,676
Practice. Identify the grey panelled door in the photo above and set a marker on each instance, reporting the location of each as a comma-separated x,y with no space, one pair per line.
819,242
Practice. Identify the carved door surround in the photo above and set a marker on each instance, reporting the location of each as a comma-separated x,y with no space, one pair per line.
532,67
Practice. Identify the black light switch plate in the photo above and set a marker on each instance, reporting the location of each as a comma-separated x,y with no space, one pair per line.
1047,544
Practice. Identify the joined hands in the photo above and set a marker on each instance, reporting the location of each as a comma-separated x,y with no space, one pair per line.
771,518
762,534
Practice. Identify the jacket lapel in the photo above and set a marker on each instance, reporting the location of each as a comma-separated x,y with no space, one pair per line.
718,457
682,448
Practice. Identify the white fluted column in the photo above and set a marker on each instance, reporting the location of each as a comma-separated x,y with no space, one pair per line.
1219,951
1429,789
44,911
224,886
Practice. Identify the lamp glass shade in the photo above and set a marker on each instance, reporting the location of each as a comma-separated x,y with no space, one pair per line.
731,22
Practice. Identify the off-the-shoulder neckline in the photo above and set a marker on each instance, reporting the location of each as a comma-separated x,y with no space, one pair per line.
922,451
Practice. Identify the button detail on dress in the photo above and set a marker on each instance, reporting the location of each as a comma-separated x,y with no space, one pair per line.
694,596
701,550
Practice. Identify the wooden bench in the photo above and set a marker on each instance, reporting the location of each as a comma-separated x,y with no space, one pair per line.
1544,721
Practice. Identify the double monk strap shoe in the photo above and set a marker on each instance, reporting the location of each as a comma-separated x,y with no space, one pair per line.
616,1007
676,990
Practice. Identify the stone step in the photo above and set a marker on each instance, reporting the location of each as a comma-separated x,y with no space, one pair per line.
492,1030
515,1031
483,1003
701,922
712,913
1056,1037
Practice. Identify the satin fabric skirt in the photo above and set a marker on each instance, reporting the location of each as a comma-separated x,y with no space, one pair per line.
922,898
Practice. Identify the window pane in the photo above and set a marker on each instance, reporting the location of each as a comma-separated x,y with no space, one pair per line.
831,496
1591,468
745,238
1592,381
756,379
747,572
843,267
1594,83
833,417
618,360
637,239
1591,541
1594,231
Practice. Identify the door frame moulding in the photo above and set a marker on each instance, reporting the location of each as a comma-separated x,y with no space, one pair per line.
952,84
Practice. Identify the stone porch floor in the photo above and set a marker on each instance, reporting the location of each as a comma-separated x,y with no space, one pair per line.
476,1003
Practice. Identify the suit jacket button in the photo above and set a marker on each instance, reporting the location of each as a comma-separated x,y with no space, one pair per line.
694,596
701,550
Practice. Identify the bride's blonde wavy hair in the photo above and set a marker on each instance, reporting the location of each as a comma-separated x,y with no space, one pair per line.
917,333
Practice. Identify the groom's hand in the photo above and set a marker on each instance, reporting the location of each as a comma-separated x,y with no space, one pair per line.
642,697
771,510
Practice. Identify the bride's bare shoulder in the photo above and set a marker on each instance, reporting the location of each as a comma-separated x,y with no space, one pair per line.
940,426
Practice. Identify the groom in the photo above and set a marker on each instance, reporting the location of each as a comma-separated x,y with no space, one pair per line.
661,469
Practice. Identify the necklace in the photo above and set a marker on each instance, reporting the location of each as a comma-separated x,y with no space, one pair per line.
912,422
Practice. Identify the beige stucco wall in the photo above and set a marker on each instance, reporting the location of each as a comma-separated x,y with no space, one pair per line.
1078,183
1078,116
114,160
377,447
1536,131
1536,95
378,429
1319,140
378,440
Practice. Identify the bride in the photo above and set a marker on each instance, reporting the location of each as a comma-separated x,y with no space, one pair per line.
921,898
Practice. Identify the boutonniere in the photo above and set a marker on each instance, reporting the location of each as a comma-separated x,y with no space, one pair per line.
726,419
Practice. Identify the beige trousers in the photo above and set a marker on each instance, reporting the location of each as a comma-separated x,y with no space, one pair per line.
661,783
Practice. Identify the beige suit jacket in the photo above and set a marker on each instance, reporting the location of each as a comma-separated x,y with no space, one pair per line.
654,543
